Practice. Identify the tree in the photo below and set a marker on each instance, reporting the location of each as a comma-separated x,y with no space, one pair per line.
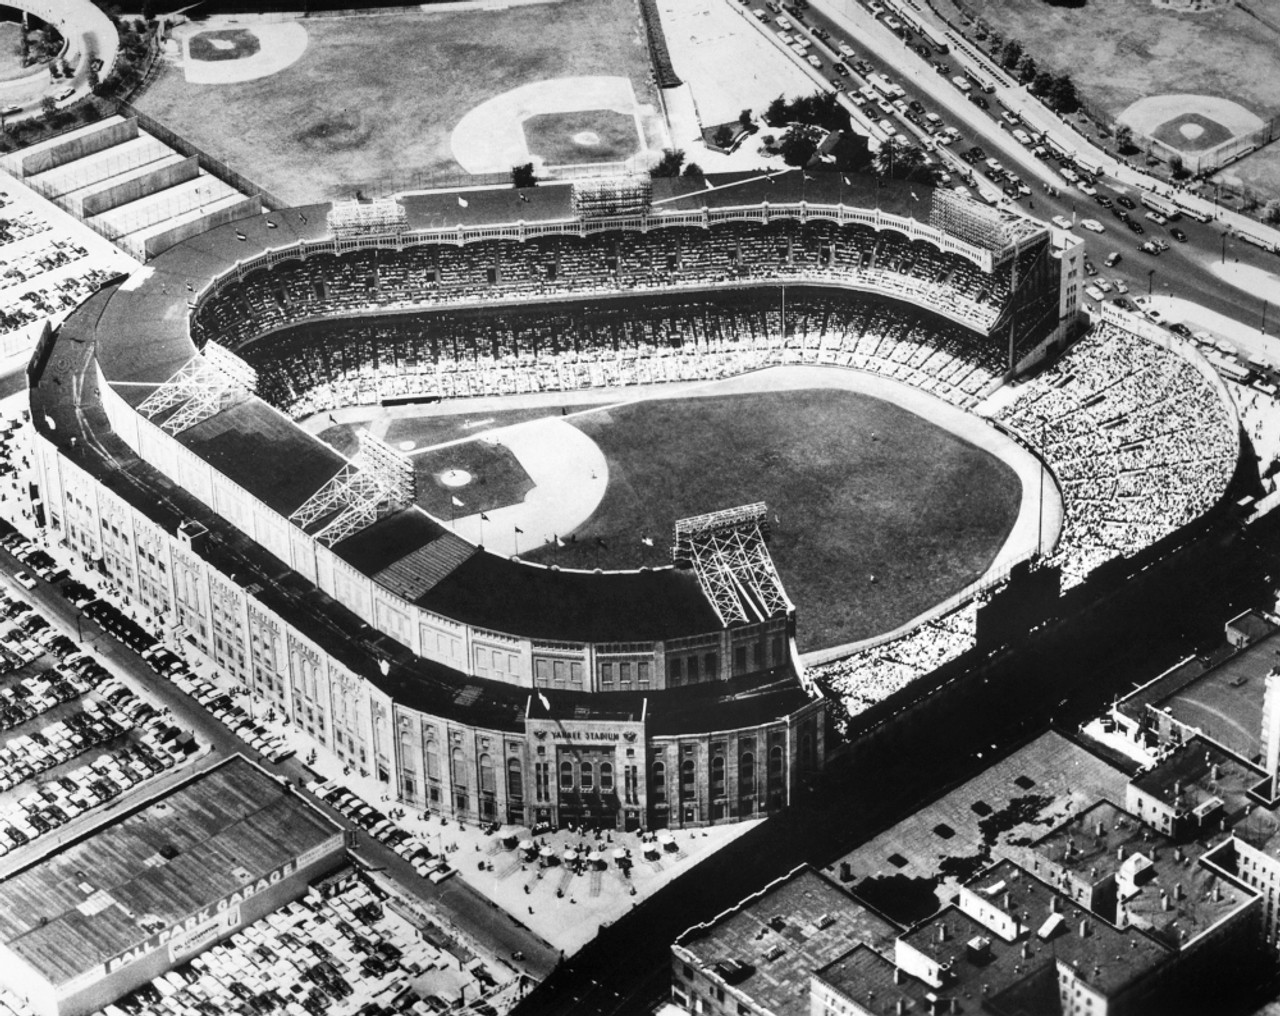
1124,138
1026,69
799,144
745,121
1042,84
693,173
777,113
1271,212
723,137
670,163
1011,54
94,81
1062,94
1177,167
48,106
523,176
902,162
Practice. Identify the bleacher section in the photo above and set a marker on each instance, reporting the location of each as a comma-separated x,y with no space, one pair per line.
1140,443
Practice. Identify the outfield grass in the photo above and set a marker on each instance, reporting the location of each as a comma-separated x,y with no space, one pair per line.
1259,171
1119,51
439,428
377,97
860,487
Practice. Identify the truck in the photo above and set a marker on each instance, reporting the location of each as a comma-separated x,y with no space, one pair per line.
1161,206
1199,214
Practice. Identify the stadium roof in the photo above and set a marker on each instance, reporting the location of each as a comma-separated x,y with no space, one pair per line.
193,846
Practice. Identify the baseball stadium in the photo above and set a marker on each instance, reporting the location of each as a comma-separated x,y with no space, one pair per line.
510,498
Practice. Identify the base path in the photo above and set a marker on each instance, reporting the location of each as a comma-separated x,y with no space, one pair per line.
569,473
490,137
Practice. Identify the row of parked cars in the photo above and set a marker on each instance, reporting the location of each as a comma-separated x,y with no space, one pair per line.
379,826
219,705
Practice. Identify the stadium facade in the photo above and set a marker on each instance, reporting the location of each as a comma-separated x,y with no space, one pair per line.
483,688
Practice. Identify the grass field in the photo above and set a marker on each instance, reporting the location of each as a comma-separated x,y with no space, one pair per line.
376,98
596,135
861,488
1123,50
1259,171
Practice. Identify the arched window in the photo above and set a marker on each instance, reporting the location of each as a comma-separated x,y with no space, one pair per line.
515,779
488,785
686,778
775,762
659,781
717,776
606,777
433,759
746,774
459,768
587,777
566,775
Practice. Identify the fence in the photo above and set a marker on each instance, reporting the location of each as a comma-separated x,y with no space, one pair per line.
1213,159
213,166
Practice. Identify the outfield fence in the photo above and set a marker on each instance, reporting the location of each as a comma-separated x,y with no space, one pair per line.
1213,159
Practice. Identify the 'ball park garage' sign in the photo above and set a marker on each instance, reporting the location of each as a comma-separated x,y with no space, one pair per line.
194,932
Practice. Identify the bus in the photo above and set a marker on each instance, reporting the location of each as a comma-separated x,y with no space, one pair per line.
1199,214
1089,164
1162,206
934,38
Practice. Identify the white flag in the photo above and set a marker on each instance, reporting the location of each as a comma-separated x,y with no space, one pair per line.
457,503
546,704
462,201
647,541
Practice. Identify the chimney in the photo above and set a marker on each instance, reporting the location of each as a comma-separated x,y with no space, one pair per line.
1177,788
1084,928
1120,852
1217,893
1055,905
897,975
1215,772
900,1008
1164,901
1026,951
1177,891
1177,854
1100,829
1093,872
942,932
1008,902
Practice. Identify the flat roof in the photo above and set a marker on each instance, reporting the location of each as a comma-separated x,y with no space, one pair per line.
1199,773
784,933
1225,702
1107,959
998,813
189,848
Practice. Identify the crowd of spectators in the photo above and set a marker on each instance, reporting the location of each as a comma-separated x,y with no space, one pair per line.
871,675
1138,440
610,344
430,275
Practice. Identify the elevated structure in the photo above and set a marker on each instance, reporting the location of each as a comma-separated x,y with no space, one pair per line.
728,553
379,481
198,390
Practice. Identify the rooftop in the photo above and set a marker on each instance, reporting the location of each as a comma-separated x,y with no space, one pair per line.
1091,843
771,942
1197,776
993,815
1055,929
110,891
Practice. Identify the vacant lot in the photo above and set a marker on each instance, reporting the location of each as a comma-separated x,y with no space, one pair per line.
1119,51
372,101
880,513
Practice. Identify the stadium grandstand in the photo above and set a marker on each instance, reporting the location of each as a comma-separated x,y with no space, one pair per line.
490,689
